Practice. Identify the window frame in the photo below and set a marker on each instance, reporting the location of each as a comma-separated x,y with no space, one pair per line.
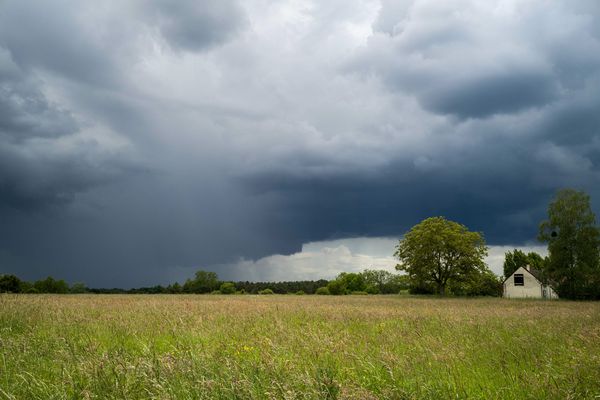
522,276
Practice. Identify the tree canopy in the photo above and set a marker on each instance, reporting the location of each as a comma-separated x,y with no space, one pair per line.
513,260
573,245
438,252
203,282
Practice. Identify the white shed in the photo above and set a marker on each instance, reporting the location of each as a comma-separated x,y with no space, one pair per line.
526,282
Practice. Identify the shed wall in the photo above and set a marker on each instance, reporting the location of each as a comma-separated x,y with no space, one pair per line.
531,288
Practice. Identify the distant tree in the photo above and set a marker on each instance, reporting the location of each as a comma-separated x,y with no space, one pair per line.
174,288
266,291
10,284
27,287
397,283
437,251
51,285
573,245
336,287
384,282
536,261
513,260
485,283
281,287
375,280
203,282
353,282
227,288
78,287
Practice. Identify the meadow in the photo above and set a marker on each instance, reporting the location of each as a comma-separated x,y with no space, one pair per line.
296,347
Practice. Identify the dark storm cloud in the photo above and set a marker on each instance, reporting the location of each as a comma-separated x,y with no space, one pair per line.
141,140
495,192
42,161
507,93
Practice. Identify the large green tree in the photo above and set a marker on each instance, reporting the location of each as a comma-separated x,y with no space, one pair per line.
438,251
573,245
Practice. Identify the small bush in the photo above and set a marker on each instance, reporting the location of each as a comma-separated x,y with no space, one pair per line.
265,291
215,292
300,292
322,290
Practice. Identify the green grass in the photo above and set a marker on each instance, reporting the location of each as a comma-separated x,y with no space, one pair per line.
296,347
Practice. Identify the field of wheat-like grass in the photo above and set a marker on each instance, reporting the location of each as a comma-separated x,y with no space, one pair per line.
296,347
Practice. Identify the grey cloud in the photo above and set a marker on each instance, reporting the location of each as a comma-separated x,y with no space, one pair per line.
39,36
475,62
24,111
196,26
486,96
576,122
44,158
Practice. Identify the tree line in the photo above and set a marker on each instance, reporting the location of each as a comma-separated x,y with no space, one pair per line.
12,284
368,281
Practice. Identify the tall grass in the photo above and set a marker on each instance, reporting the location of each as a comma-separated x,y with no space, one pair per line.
296,347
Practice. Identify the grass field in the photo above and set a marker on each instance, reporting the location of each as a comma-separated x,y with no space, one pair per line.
296,347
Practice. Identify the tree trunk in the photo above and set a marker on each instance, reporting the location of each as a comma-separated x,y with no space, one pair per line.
442,289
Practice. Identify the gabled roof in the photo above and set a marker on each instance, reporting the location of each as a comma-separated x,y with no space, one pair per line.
536,273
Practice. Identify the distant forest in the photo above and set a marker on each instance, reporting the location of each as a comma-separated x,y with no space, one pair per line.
366,282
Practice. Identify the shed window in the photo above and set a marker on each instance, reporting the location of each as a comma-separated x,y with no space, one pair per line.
519,280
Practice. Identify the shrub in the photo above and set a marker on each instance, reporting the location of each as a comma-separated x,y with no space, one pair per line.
265,291
300,292
215,292
322,290
336,287
227,288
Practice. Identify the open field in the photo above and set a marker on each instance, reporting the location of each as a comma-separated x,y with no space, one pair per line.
296,347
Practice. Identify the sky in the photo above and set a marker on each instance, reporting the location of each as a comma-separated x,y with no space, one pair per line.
141,140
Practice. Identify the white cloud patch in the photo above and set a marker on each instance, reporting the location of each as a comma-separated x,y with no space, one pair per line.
317,260
326,259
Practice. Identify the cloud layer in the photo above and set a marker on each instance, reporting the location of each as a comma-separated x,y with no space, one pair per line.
141,138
